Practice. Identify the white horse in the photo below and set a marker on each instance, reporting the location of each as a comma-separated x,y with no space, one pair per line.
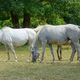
58,35
16,37
59,47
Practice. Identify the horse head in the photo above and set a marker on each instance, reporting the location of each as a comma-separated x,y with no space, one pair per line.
35,55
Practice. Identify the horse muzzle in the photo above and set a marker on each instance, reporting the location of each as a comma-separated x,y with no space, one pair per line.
33,59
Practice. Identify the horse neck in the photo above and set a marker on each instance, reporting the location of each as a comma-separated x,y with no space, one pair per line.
37,45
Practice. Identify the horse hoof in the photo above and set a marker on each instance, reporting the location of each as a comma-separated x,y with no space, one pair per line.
6,61
40,61
28,60
15,60
69,62
77,59
60,58
78,62
52,62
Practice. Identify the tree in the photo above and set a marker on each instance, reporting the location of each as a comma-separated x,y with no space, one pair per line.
19,8
15,19
49,11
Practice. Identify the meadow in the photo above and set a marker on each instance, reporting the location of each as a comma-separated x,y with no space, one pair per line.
23,70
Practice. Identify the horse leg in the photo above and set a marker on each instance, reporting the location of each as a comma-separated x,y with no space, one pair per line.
43,50
78,53
77,56
29,57
12,48
78,49
7,48
31,45
58,51
30,54
73,52
51,48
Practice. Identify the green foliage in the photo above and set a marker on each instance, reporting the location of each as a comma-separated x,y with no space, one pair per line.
56,20
7,23
4,15
41,11
33,7
1,24
20,21
36,21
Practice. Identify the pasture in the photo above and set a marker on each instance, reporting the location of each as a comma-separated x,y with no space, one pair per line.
23,70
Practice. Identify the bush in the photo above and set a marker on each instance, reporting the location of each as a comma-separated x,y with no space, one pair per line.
20,22
7,23
56,21
36,21
1,24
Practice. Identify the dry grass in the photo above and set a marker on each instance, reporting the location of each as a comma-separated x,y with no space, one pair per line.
23,70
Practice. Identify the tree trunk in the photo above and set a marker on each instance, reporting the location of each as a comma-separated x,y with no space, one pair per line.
26,21
15,20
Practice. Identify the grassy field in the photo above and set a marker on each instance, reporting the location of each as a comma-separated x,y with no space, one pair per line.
23,70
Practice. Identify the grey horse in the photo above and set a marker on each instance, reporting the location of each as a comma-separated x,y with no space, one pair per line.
58,35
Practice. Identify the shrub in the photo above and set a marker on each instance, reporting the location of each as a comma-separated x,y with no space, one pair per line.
7,23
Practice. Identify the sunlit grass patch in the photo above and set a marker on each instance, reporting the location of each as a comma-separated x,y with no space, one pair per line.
23,70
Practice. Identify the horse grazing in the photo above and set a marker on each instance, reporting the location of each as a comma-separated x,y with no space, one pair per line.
58,35
16,37
59,47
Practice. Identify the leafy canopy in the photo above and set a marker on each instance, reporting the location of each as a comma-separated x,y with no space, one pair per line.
50,11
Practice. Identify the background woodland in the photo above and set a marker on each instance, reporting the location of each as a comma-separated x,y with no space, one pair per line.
31,13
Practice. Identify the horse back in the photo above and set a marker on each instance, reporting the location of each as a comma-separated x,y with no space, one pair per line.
58,34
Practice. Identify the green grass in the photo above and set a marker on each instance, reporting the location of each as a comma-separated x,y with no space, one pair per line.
23,70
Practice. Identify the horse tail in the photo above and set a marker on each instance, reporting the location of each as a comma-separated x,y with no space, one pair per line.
38,28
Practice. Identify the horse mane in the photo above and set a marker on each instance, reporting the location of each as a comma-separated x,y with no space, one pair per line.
38,28
6,28
37,36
